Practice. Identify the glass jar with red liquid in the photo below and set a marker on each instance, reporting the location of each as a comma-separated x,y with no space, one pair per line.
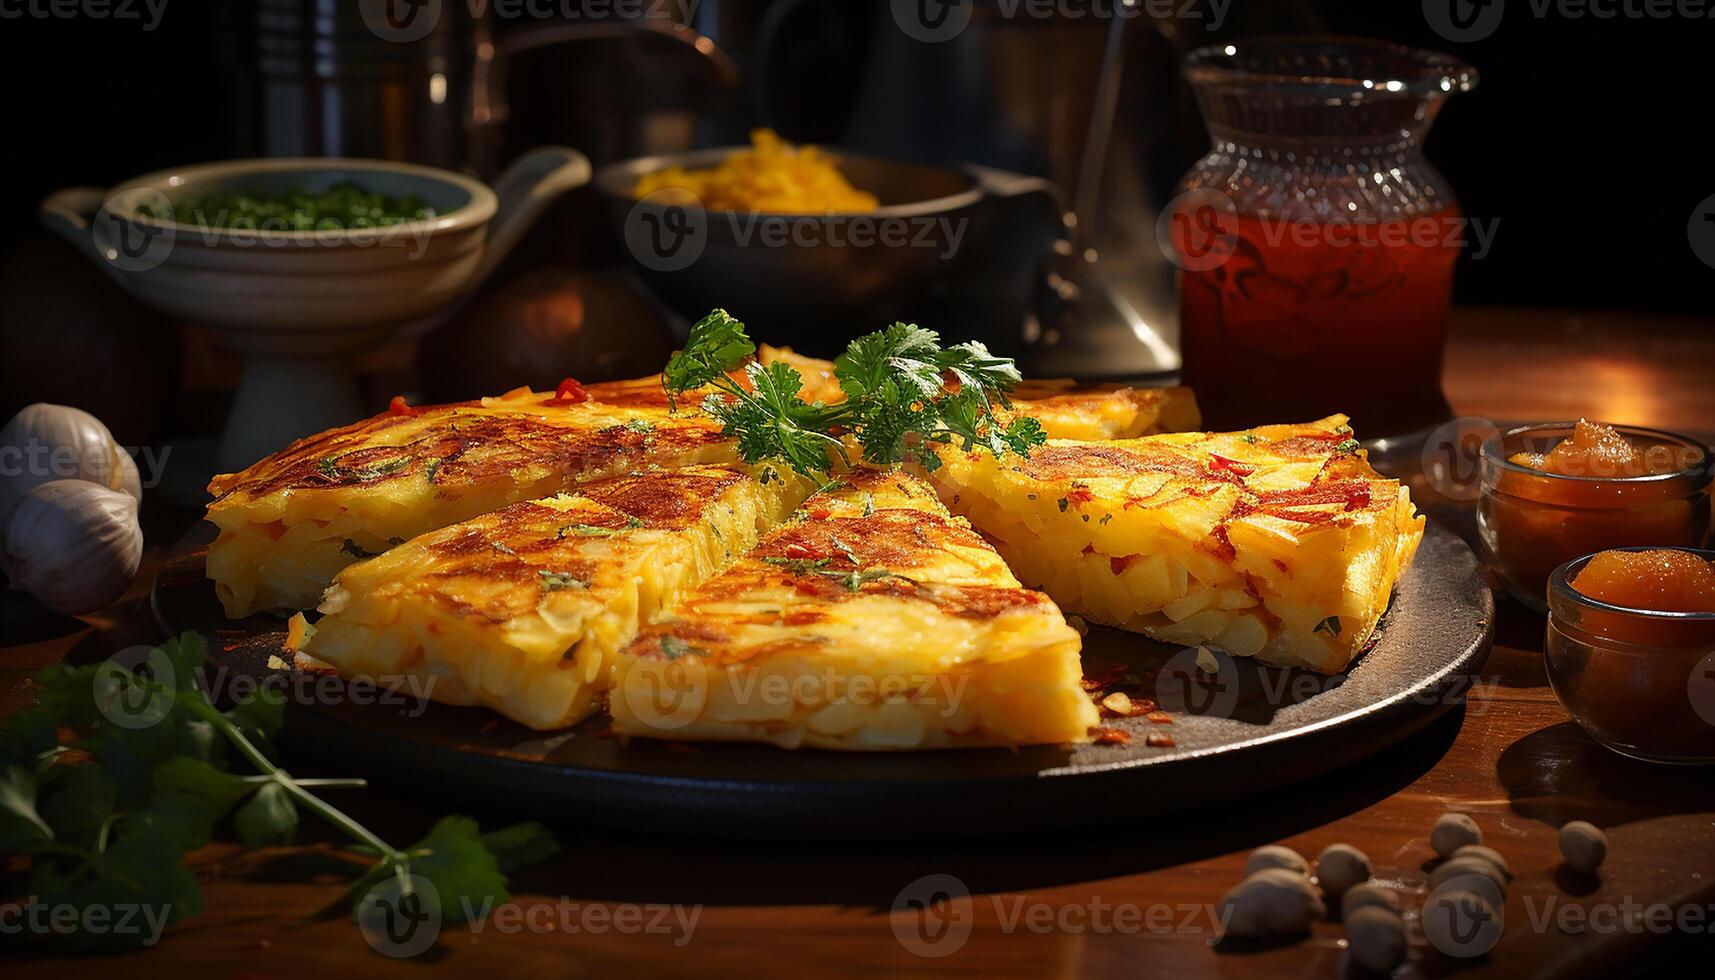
1316,244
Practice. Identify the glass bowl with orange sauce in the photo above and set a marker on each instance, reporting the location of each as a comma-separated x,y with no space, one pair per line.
1630,650
1557,491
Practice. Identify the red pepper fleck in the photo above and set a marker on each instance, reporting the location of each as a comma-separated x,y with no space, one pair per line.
398,406
1223,549
1358,497
820,514
570,392
797,551
1159,740
1079,495
1089,549
1219,462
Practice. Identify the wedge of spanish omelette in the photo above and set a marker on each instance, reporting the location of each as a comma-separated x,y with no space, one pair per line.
871,620
1279,542
291,521
523,609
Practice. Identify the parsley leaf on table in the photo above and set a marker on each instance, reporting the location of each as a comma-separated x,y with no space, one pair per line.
110,832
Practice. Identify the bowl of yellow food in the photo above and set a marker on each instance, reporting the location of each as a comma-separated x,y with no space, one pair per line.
809,246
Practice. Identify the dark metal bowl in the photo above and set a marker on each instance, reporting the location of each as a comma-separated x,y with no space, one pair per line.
813,281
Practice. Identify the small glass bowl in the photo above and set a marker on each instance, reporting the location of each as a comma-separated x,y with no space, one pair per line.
1529,521
1639,681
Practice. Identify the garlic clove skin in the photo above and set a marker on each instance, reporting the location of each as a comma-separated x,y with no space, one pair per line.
73,545
46,442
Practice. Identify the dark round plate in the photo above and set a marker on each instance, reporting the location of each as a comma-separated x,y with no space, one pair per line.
1238,730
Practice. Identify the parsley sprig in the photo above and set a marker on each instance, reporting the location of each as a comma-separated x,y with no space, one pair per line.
106,818
905,395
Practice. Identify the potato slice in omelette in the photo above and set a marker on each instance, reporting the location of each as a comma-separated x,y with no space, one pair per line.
1279,543
1068,410
872,620
291,521
523,609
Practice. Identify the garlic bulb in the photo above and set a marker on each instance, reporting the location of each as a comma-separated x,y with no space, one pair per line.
54,442
73,545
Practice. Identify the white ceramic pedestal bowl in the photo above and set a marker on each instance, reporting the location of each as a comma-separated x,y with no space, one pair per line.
297,305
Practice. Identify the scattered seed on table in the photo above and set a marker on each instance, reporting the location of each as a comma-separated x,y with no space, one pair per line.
1377,938
1472,874
1583,845
1276,856
1488,854
1453,831
1272,902
1365,896
1341,866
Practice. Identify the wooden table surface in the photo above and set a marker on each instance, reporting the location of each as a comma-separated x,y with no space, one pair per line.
1134,899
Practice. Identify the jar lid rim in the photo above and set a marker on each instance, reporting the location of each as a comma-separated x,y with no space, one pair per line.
1415,71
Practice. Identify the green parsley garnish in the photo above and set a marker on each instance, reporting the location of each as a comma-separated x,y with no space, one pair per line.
104,817
641,425
331,468
596,530
1248,437
853,579
356,550
800,566
1346,447
673,648
555,581
898,403
1330,626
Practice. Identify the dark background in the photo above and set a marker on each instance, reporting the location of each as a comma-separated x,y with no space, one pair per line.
1585,139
